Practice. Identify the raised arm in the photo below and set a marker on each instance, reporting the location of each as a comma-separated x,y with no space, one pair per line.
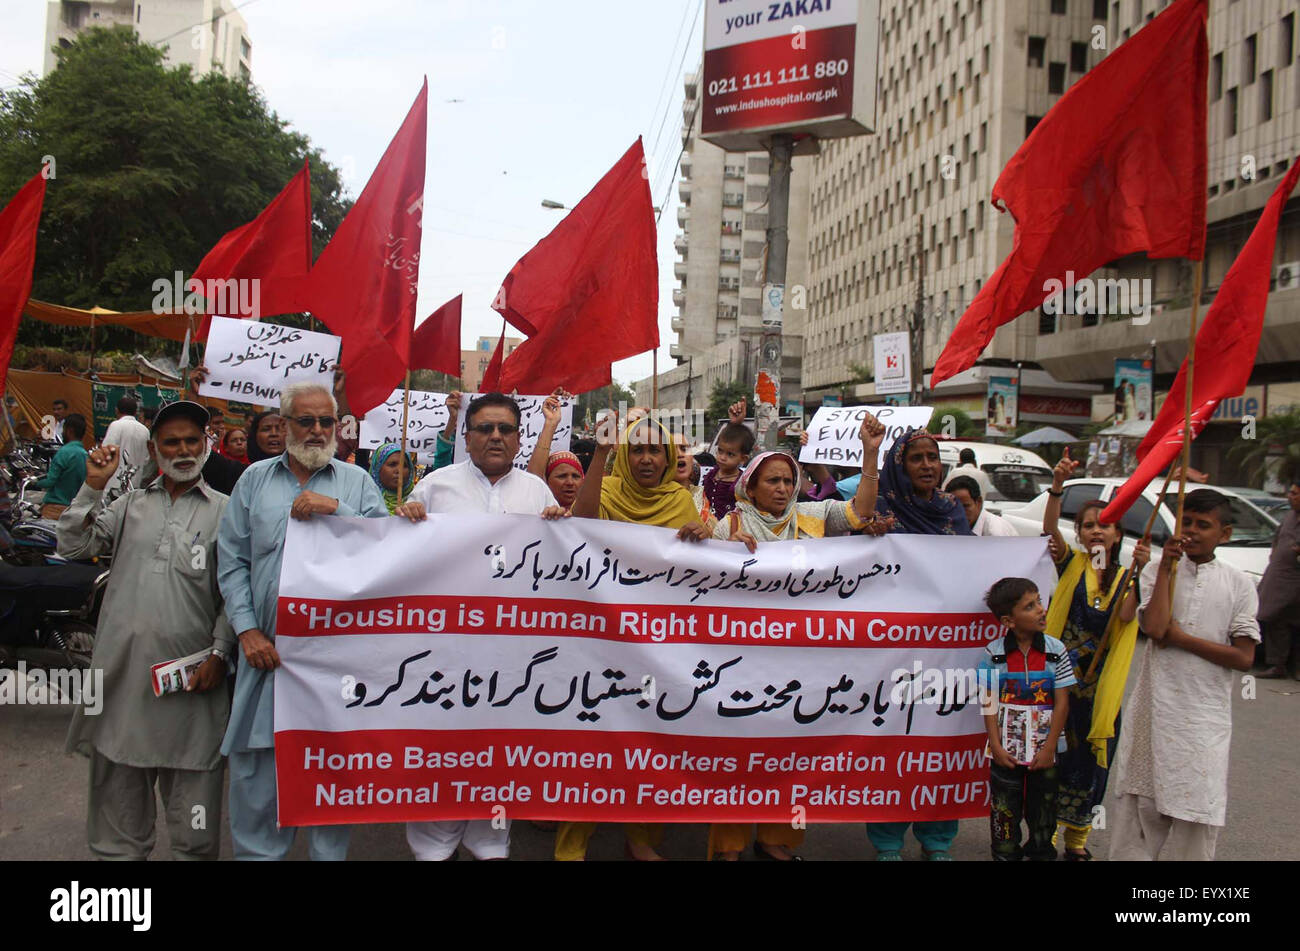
1052,513
551,408
83,532
587,504
872,434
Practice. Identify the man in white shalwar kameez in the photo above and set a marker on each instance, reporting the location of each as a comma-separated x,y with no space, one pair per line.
1172,773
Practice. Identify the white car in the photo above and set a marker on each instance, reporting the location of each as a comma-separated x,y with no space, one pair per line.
1252,530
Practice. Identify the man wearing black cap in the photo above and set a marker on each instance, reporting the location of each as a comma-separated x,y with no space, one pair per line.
162,604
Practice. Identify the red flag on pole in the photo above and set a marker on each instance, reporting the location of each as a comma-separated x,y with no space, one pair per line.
435,345
1226,346
273,249
363,285
588,293
18,224
491,381
1117,166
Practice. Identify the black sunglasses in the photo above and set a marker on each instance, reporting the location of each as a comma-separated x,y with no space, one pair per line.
306,422
486,429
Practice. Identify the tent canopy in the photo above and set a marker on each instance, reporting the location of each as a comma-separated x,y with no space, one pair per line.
169,326
1044,436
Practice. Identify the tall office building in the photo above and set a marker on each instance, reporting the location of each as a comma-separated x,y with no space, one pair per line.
205,35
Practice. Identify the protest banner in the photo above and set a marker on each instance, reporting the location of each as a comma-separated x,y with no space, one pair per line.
426,418
833,433
597,671
253,361
531,422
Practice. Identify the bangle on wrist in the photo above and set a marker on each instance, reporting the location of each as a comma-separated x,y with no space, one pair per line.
1055,493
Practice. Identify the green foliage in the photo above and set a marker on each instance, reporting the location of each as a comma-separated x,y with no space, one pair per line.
1276,435
151,168
966,427
724,394
584,413
55,359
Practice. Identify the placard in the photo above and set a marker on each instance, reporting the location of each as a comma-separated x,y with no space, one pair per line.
426,418
833,433
253,361
530,427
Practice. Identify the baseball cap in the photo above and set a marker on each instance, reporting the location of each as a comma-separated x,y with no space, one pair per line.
181,409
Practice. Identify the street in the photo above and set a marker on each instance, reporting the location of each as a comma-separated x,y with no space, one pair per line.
43,800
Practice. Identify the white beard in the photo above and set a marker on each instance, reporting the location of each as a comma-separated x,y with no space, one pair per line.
309,457
170,467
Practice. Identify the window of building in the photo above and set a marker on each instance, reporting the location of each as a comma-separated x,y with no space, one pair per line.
1286,41
1037,50
1216,77
1099,9
1248,64
1078,57
1056,78
1058,7
1030,122
1231,107
1266,96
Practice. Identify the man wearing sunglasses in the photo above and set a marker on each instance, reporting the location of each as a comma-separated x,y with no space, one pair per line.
302,482
487,483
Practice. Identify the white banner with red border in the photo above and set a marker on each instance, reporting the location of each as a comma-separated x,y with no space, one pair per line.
473,666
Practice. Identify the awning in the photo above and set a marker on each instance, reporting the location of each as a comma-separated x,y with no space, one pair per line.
169,326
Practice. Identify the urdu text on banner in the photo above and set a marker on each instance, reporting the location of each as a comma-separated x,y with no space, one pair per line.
589,670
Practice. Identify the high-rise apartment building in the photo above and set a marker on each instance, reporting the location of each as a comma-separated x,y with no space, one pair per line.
474,363
205,35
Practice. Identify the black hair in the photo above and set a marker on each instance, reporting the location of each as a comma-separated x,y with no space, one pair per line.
491,399
584,449
695,471
74,427
1112,555
1006,594
964,482
60,402
1206,502
254,451
149,413
966,456
706,459
739,434
127,406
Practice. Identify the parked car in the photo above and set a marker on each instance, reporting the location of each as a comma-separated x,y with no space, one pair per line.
1252,530
1016,475
1275,505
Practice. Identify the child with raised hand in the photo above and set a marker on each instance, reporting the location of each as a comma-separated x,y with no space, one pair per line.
1026,678
735,445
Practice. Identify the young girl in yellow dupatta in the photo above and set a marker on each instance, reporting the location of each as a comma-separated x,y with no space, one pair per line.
768,510
641,489
1082,613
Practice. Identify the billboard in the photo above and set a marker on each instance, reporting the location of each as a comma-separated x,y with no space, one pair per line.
802,67
893,366
1133,390
1003,414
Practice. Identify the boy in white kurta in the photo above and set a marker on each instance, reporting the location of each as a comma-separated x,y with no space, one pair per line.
1173,752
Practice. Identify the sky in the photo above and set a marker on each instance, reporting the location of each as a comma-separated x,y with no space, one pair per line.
527,101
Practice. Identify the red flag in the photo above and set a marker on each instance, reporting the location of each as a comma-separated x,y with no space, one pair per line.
274,249
363,285
1117,166
435,345
491,381
588,293
1226,346
18,224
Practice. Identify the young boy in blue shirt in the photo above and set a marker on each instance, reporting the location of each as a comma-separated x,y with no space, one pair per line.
1031,675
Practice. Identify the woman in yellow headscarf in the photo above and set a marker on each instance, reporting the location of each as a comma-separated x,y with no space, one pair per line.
1086,610
641,489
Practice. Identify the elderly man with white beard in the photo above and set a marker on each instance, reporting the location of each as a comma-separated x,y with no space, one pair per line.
162,604
304,481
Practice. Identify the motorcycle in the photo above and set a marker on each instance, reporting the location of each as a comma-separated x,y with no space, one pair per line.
48,613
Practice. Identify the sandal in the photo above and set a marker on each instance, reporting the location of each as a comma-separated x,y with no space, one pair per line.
1084,856
940,855
889,855
761,852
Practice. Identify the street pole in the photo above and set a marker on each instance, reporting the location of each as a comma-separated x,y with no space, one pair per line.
767,385
917,337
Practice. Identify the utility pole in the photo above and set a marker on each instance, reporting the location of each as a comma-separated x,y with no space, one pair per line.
917,336
767,385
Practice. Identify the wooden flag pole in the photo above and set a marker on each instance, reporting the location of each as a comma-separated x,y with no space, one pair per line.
1130,577
654,385
406,406
1186,458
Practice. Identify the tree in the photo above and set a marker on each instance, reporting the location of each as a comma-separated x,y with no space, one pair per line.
151,167
593,401
1276,436
724,394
